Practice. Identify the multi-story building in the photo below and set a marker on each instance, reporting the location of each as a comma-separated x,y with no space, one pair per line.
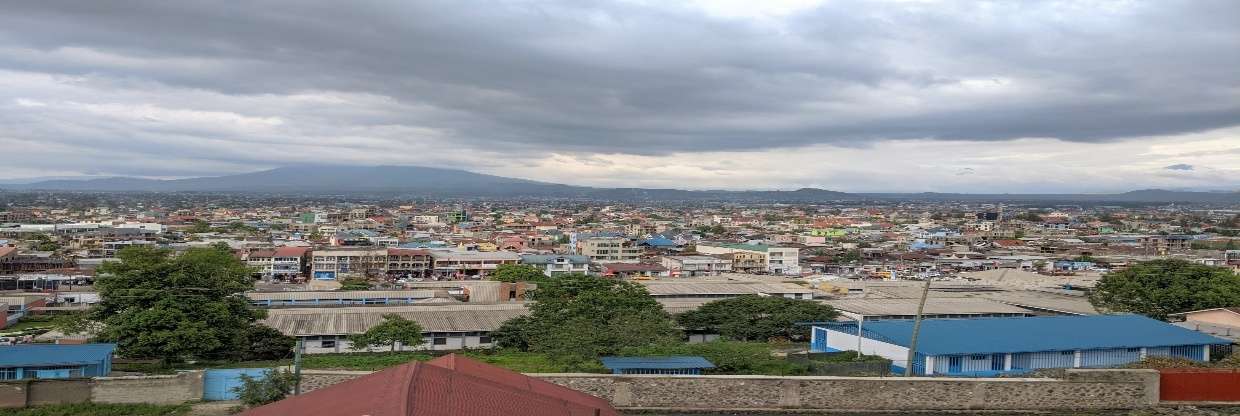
777,260
280,263
609,249
339,263
552,265
408,263
689,266
460,264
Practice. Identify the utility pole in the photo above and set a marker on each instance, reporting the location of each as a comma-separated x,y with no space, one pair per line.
912,345
301,348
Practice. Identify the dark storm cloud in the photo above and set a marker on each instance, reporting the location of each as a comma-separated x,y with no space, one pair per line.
618,77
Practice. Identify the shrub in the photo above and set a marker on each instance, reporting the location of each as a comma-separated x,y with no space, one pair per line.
272,387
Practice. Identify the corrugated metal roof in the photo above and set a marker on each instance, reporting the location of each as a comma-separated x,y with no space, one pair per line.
356,320
1033,334
666,288
934,306
23,355
668,362
445,386
333,295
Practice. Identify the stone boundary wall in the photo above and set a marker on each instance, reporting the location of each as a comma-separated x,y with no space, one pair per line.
1079,389
173,389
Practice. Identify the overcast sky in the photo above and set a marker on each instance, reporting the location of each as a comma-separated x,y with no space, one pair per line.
1018,96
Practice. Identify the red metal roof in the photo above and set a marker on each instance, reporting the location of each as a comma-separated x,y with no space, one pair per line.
446,386
287,251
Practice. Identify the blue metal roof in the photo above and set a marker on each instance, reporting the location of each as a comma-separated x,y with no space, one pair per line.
1034,334
659,241
24,355
668,362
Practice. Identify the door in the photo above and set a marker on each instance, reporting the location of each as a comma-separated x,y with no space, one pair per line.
996,362
955,364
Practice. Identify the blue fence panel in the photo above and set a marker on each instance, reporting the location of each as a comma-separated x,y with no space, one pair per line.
221,384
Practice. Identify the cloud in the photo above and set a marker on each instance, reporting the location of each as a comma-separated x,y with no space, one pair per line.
191,88
1179,166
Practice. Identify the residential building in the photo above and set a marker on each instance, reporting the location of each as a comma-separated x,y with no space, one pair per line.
639,271
691,266
339,263
408,263
609,249
552,265
777,260
460,264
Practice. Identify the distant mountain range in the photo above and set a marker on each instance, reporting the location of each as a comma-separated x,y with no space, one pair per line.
425,181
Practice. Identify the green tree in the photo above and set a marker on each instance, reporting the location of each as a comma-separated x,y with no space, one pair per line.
264,343
577,318
757,318
44,242
517,273
156,305
1158,288
199,226
272,387
392,330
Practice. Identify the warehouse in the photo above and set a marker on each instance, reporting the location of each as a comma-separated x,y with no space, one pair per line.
991,346
446,327
346,297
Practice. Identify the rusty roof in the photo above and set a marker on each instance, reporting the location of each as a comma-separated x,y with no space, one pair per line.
446,386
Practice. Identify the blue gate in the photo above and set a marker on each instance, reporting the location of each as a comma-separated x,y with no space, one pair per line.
219,384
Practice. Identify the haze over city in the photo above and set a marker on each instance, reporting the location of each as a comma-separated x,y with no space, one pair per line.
885,96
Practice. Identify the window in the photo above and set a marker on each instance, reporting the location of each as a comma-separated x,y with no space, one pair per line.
978,357
484,339
1067,352
440,341
8,374
327,344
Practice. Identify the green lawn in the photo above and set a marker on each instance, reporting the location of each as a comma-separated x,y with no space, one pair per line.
98,409
29,323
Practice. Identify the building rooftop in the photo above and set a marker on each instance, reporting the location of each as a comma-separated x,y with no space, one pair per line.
694,288
662,363
1035,334
463,317
934,306
448,385
53,354
551,258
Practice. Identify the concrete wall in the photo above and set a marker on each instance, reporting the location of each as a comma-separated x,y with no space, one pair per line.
1080,389
174,389
1083,389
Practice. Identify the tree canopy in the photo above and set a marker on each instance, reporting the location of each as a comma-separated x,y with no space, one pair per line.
1158,288
577,318
757,318
393,329
157,305
517,273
